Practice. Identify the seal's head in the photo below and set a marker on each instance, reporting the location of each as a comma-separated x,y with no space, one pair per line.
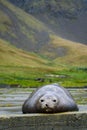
47,103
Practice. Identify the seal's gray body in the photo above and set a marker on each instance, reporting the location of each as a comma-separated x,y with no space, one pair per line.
49,99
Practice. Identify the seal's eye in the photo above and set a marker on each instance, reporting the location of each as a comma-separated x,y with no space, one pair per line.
42,100
54,100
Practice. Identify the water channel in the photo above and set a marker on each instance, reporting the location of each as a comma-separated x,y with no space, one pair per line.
11,99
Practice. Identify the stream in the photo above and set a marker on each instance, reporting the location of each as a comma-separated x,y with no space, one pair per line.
11,99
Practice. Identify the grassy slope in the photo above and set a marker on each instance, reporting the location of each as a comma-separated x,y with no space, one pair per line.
11,56
76,52
21,29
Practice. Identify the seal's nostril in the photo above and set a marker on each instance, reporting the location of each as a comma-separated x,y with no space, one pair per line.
46,105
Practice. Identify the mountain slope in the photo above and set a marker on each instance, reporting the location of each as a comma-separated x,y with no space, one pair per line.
20,29
11,56
26,32
66,17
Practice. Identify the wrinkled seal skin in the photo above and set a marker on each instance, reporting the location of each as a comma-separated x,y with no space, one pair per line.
49,99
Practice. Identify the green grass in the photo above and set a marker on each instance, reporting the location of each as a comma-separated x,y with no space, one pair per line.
27,77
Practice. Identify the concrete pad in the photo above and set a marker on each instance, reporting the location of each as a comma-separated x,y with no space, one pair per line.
59,121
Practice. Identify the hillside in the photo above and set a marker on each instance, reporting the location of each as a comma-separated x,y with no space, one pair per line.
12,56
26,32
21,29
67,18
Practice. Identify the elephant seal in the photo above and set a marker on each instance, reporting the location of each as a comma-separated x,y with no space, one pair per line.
49,99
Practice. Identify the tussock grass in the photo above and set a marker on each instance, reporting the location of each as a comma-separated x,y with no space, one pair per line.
34,77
